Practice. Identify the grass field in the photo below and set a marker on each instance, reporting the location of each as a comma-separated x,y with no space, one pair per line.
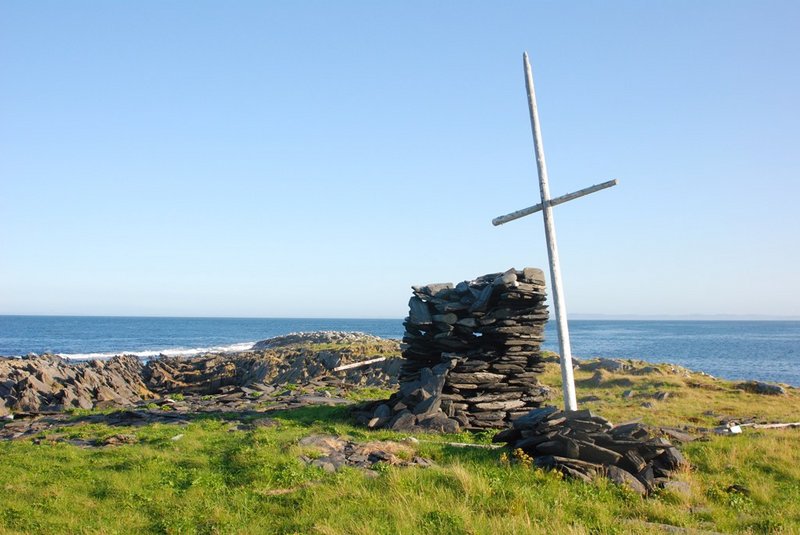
217,479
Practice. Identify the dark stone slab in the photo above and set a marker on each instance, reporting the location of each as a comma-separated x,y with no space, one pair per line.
672,459
432,289
428,406
597,454
418,311
404,421
677,435
534,417
626,479
560,446
507,435
440,422
529,443
382,411
646,477
633,462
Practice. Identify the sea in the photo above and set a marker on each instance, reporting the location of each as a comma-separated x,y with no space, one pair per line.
761,350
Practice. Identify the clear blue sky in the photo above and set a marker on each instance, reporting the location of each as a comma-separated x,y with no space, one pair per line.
318,158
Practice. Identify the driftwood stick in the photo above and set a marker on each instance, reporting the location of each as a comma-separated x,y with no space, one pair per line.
359,364
771,426
466,445
776,426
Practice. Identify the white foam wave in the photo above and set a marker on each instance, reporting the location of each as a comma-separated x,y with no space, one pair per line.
170,352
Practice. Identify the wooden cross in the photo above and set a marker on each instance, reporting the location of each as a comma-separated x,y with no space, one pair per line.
570,403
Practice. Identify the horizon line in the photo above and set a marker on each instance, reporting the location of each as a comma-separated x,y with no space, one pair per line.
577,316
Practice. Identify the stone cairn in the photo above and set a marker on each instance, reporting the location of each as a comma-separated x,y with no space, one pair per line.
582,445
471,355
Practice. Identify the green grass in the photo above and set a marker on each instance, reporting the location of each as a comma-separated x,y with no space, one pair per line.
384,348
694,399
367,393
213,480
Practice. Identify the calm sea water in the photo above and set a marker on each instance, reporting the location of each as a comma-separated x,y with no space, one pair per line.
764,350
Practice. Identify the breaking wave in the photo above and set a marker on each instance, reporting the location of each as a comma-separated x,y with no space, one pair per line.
170,352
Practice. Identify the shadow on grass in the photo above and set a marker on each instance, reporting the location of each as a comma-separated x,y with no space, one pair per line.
138,418
470,455
314,414
590,383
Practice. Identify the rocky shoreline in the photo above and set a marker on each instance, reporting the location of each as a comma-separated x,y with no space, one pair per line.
310,366
50,384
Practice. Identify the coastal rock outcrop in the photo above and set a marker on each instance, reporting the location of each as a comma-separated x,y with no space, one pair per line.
471,356
49,383
317,337
323,361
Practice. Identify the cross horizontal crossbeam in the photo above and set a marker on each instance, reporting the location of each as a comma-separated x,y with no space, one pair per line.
497,221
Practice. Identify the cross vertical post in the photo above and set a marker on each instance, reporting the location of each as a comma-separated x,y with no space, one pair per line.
546,207
567,378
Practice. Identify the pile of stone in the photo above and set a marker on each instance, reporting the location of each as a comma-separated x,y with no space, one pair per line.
583,445
472,356
331,453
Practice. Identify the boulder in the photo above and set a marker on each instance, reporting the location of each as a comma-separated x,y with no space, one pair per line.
759,387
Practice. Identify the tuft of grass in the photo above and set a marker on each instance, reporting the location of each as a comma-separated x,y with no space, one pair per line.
694,399
368,393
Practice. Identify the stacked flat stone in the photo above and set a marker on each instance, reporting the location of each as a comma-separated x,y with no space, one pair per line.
471,355
583,445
